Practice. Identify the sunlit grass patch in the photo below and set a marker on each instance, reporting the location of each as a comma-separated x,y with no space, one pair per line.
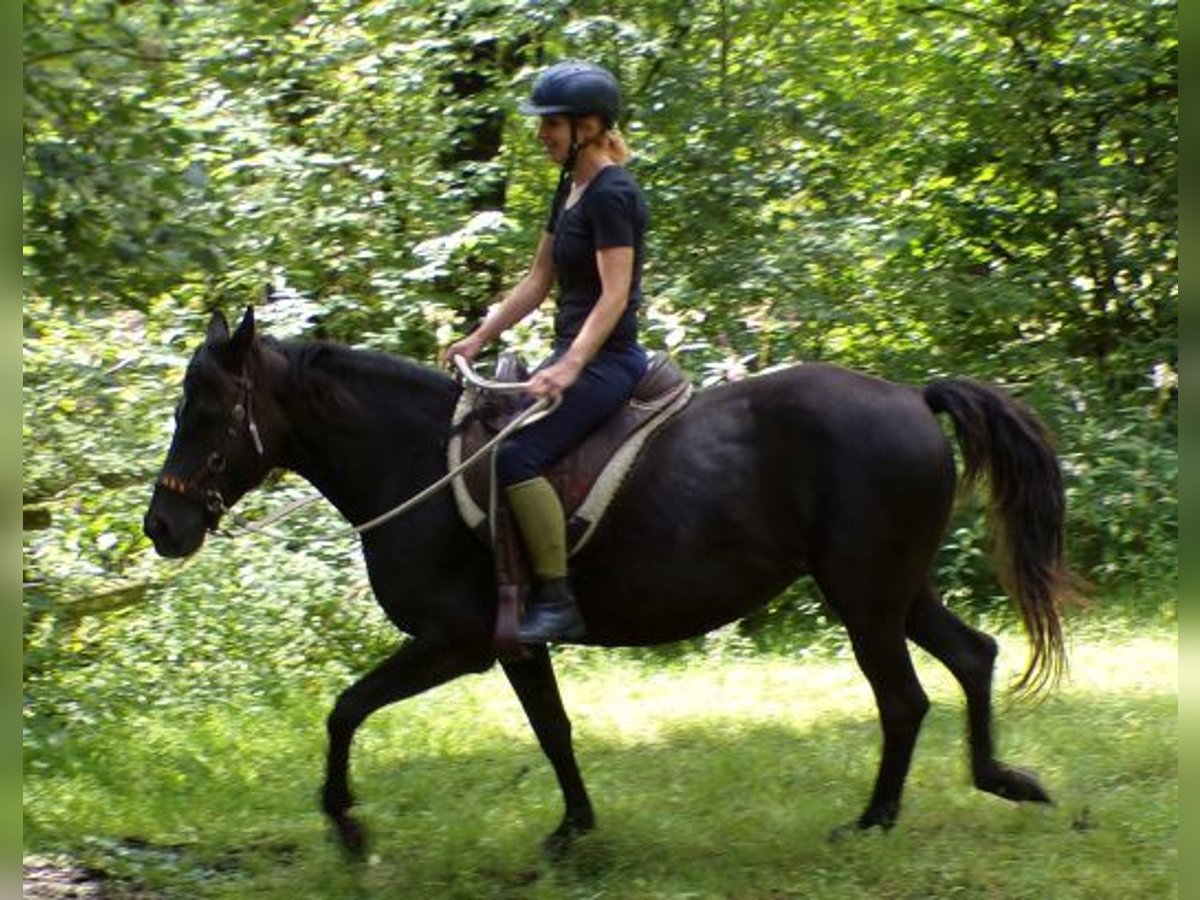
710,778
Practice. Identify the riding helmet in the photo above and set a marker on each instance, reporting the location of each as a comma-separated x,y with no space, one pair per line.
575,88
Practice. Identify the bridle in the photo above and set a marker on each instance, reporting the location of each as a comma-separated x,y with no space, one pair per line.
209,496
201,486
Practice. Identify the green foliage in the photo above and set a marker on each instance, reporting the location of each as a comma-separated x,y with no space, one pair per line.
1124,472
915,190
250,613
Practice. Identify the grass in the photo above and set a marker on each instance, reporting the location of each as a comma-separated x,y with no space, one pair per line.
710,779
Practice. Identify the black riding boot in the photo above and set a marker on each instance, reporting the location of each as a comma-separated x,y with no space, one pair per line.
553,616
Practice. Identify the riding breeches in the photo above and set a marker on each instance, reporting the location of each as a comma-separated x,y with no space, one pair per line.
602,387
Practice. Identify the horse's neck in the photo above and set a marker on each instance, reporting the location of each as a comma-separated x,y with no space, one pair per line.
375,452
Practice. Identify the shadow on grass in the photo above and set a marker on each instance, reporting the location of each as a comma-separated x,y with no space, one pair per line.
721,807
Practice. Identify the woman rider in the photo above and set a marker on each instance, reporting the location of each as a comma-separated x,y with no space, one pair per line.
592,247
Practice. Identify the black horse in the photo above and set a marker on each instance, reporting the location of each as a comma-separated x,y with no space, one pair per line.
810,469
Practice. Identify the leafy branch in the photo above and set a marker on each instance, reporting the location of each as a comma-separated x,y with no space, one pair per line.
87,46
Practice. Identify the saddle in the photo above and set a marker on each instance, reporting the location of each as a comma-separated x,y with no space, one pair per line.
586,479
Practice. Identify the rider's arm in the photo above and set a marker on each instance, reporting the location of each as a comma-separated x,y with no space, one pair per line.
523,299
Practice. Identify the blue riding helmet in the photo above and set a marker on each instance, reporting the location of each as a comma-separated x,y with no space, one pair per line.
575,88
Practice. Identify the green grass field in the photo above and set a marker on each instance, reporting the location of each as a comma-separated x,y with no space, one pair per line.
710,779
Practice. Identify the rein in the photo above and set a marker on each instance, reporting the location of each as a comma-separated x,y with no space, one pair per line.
538,410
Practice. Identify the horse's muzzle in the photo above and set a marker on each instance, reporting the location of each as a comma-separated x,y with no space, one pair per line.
173,536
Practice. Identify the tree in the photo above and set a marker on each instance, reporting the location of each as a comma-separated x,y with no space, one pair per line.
913,189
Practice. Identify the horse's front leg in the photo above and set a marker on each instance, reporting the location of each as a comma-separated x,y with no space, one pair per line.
533,680
417,666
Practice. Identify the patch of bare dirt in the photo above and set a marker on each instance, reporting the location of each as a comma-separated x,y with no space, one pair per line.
57,877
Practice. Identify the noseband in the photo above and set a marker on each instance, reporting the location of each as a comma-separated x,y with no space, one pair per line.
201,486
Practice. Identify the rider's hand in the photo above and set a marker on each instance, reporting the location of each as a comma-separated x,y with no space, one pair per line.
468,348
555,378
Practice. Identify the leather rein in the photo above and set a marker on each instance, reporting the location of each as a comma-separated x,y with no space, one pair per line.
201,486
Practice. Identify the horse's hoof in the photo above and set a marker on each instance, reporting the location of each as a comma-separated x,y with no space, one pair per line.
843,831
858,826
1017,785
352,837
883,817
555,847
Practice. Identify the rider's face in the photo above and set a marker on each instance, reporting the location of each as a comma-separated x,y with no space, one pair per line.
555,134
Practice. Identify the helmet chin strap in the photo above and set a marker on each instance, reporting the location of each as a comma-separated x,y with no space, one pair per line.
565,175
573,153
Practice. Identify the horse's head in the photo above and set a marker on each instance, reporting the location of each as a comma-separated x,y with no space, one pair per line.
217,453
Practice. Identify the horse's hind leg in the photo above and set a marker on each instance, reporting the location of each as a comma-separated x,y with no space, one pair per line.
874,616
882,654
417,666
533,680
970,655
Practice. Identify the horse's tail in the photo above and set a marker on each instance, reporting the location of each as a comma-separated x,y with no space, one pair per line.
1003,440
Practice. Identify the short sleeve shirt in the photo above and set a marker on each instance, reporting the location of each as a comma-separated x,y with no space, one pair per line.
611,213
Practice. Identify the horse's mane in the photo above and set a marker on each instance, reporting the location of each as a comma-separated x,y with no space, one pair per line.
352,387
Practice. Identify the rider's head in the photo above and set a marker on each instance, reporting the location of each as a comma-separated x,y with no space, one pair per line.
576,89
588,97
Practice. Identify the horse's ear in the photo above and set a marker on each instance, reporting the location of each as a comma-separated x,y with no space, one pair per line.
244,336
218,328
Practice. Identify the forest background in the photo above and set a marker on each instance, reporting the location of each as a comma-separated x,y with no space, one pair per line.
914,189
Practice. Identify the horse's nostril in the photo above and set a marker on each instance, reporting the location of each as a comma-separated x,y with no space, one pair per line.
152,525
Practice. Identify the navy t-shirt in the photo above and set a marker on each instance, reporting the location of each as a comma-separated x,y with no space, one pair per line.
611,213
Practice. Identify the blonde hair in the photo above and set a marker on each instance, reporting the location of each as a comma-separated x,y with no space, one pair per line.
610,142
613,143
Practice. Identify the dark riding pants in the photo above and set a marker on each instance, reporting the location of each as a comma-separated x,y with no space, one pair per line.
601,389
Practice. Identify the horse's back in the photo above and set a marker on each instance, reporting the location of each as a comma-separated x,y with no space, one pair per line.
740,493
805,421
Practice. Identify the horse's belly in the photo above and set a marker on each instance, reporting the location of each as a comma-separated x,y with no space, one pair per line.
650,592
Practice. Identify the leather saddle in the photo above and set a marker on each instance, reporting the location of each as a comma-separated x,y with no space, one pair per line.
586,479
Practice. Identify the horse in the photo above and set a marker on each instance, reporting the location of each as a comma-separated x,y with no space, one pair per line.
810,469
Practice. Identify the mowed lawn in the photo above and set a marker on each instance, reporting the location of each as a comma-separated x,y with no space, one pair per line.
710,778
